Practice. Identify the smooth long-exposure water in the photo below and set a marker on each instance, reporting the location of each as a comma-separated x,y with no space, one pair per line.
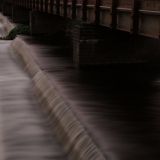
119,105
24,132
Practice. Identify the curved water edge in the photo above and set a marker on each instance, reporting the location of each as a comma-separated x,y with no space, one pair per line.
24,133
5,26
72,134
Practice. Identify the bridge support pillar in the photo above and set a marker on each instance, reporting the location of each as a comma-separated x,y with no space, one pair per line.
85,40
98,46
20,15
45,24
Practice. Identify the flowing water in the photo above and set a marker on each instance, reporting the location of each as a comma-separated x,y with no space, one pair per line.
24,132
118,105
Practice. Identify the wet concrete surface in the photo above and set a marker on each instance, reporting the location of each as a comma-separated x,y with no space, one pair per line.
24,130
118,105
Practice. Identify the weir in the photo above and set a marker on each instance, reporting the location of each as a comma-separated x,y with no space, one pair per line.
25,133
114,106
94,27
71,134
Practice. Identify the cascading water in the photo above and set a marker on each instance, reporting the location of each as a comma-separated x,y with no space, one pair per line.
110,114
117,105
24,133
68,128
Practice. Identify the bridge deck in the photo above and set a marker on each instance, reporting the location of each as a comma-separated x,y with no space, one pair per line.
118,106
24,131
134,16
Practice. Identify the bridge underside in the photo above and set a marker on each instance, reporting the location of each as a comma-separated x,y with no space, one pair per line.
94,28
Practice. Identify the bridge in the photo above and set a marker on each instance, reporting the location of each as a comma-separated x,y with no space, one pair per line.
91,24
134,16
84,84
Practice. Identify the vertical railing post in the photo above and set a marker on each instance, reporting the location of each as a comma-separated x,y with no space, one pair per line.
58,7
84,10
46,6
97,12
135,16
41,5
32,4
114,14
37,5
29,4
74,2
65,7
25,3
51,6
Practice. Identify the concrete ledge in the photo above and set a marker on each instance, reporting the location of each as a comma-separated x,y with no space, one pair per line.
72,134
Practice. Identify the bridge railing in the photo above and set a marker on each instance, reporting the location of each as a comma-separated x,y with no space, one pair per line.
149,17
134,16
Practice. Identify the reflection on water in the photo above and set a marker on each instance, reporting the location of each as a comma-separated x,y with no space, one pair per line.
118,105
24,133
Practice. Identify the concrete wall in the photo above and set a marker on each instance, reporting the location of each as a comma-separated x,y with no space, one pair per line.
95,46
